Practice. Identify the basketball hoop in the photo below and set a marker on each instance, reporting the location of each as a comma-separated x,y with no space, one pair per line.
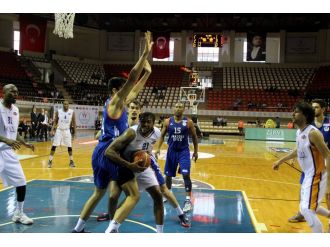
64,25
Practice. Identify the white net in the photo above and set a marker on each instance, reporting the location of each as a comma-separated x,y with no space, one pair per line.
64,25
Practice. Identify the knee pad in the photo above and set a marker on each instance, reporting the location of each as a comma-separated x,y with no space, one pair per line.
53,148
69,149
187,183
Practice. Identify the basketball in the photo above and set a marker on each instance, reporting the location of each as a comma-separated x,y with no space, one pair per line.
144,156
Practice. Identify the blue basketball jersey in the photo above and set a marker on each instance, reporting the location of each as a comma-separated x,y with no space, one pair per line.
112,128
325,129
178,134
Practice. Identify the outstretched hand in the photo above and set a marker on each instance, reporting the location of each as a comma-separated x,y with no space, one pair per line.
148,42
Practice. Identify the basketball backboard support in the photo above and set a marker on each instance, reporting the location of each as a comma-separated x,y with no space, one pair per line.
192,95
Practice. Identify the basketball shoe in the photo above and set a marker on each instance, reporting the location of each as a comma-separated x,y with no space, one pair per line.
184,220
297,218
20,217
187,206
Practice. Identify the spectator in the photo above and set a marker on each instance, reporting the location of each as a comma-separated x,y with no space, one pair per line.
278,122
23,128
241,127
34,122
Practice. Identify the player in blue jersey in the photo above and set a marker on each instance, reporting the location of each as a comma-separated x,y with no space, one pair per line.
321,122
178,128
134,111
114,124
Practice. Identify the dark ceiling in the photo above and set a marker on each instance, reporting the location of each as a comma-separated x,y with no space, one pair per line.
202,22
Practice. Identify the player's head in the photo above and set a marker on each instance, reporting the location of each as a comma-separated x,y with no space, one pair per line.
178,109
134,110
10,93
147,121
115,84
303,114
65,105
319,107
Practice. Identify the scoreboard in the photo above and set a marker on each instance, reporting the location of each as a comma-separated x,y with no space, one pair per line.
207,40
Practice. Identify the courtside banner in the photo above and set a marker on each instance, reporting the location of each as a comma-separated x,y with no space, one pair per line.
85,115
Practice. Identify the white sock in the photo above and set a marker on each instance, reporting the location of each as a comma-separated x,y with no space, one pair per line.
80,225
188,198
113,225
160,228
179,210
323,211
51,157
19,207
71,157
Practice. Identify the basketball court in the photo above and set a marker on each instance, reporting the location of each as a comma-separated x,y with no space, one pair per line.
234,188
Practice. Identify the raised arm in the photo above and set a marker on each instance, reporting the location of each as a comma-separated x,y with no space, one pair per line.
117,103
140,84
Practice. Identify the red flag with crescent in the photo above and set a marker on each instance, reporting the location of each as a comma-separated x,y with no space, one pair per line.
33,34
161,47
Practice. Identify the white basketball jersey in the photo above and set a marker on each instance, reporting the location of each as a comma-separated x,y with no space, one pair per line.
8,124
64,119
310,159
141,143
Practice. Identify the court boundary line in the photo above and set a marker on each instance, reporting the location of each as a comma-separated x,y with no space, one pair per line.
73,215
253,218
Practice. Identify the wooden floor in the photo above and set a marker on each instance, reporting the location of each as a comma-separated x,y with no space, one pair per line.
237,165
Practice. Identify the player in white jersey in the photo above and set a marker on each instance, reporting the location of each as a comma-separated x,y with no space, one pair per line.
134,110
64,120
313,156
11,171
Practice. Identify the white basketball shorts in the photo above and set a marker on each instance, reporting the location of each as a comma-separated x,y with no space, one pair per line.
62,138
11,172
146,179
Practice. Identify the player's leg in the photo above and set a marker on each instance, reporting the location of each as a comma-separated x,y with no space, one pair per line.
184,221
308,204
12,174
321,210
101,180
88,208
170,168
126,180
298,217
56,143
67,141
147,181
114,194
185,164
167,194
157,197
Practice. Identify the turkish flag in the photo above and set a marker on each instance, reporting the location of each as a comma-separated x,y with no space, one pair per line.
161,47
33,34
